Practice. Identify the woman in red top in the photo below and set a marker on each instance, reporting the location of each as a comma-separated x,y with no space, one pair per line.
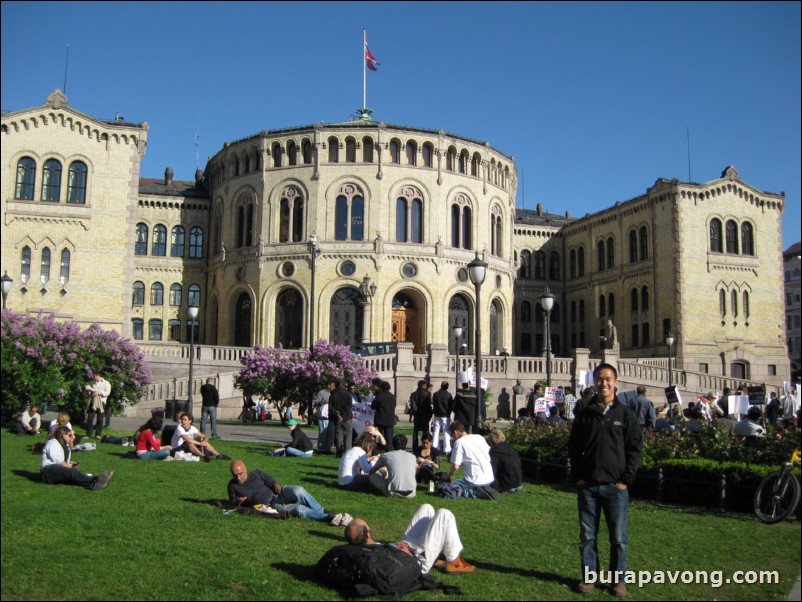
147,446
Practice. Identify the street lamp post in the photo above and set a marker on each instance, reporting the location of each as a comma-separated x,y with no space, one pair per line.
315,251
457,337
193,315
7,282
670,343
477,270
368,291
547,303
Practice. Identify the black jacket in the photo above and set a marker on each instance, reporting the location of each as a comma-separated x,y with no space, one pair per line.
422,402
465,407
384,406
443,403
299,440
605,448
340,401
506,467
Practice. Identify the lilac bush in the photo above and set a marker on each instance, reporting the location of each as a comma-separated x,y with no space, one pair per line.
48,361
296,375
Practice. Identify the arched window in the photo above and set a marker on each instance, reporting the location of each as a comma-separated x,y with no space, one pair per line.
600,255
580,261
292,153
76,183
217,230
526,312
174,330
633,300
412,152
644,298
44,272
334,150
715,236
395,153
645,334
476,165
722,303
572,264
525,267
602,306
141,245
451,159
138,328
540,265
64,272
306,151
26,176
461,223
51,181
463,161
633,246
554,267
349,214
175,294
25,267
194,295
245,219
157,293
196,242
409,216
644,243
289,319
427,152
732,237
291,224
610,253
177,242
367,149
155,330
159,248
496,231
734,303
745,305
350,150
138,296
277,154
747,239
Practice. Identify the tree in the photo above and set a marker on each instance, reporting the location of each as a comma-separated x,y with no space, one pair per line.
297,375
48,361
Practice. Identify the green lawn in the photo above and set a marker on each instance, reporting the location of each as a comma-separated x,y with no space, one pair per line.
154,535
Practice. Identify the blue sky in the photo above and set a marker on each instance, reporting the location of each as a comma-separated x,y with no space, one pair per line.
594,100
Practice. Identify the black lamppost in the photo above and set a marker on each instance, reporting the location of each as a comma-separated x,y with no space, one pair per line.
368,291
547,303
193,315
670,343
7,282
477,270
315,251
457,337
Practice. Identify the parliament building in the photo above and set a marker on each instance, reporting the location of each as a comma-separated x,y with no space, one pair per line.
389,217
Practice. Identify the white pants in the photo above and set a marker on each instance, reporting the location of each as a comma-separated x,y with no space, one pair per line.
441,424
432,533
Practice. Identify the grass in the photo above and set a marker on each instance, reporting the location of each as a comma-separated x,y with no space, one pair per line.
153,535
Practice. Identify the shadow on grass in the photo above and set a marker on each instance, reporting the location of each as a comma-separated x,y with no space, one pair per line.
210,502
301,572
569,582
36,477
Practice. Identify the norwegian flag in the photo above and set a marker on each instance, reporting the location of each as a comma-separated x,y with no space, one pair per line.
370,61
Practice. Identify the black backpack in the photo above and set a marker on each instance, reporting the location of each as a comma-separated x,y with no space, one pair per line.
378,570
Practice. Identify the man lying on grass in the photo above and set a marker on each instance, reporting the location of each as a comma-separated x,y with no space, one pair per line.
260,489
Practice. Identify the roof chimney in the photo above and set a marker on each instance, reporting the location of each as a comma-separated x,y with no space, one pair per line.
168,176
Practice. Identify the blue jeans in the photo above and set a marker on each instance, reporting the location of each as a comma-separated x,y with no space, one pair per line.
211,412
325,437
592,501
299,503
291,451
155,455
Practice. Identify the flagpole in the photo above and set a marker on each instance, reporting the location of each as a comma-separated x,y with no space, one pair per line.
364,69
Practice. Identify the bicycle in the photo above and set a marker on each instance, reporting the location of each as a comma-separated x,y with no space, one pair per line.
777,496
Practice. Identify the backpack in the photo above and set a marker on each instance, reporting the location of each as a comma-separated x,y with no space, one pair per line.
378,570
413,403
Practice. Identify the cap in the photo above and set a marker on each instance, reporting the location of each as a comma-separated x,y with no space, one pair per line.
292,422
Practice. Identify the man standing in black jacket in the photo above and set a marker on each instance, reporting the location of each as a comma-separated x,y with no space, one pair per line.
421,402
384,406
443,405
605,448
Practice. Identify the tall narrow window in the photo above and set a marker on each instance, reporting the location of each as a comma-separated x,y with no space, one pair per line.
554,267
600,255
25,267
395,152
525,267
44,273
745,305
157,293
644,298
291,219
350,150
417,221
610,253
461,223
427,151
217,231
159,248
51,181
177,242
540,265
349,214
734,304
633,300
334,150
715,236
455,230
141,245
722,303
466,227
196,242
581,310
367,150
409,216
277,154
572,264
602,306
138,294
732,237
412,152
76,183
747,239
611,305
580,261
155,330
401,220
292,153
306,151
194,295
174,330
633,246
26,176
644,243
64,272
497,231
138,327
175,295
526,312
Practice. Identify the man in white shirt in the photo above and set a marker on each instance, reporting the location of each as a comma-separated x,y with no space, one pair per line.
355,466
472,453
30,422
100,389
187,438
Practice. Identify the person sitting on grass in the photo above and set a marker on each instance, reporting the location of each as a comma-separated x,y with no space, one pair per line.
356,464
428,535
250,489
506,464
300,446
147,446
63,419
397,476
188,439
29,422
428,460
58,469
472,453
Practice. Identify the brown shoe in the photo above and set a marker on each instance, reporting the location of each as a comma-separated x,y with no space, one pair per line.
620,590
585,588
439,564
459,565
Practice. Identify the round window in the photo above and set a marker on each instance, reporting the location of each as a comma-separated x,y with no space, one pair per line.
347,268
410,270
462,275
287,269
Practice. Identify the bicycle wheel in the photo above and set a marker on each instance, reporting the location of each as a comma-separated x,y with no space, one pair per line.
777,496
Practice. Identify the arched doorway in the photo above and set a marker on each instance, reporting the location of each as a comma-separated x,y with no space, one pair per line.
459,314
346,317
289,319
408,321
739,371
242,321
